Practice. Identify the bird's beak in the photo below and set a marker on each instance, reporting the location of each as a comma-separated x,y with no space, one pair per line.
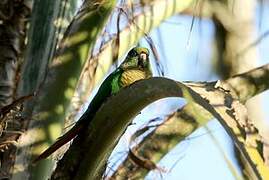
143,57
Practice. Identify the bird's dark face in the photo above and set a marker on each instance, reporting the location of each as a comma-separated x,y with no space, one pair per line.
138,57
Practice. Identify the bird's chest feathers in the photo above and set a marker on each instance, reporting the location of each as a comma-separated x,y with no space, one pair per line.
130,76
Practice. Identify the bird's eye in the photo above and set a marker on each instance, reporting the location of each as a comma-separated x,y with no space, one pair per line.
132,53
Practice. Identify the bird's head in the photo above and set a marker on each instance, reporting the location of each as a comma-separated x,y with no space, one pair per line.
138,57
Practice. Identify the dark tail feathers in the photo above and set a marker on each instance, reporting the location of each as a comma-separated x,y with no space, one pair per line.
60,142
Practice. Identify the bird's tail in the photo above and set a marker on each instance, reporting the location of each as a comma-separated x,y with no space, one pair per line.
60,142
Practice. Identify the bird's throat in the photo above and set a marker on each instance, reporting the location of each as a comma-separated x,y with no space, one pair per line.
130,76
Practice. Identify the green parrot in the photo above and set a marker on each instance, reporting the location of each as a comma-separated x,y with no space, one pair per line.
136,66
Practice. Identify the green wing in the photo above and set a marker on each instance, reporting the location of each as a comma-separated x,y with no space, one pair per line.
109,86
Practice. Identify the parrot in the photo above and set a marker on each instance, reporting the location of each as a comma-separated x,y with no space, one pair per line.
136,66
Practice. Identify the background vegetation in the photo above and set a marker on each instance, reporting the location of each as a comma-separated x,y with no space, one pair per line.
54,53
